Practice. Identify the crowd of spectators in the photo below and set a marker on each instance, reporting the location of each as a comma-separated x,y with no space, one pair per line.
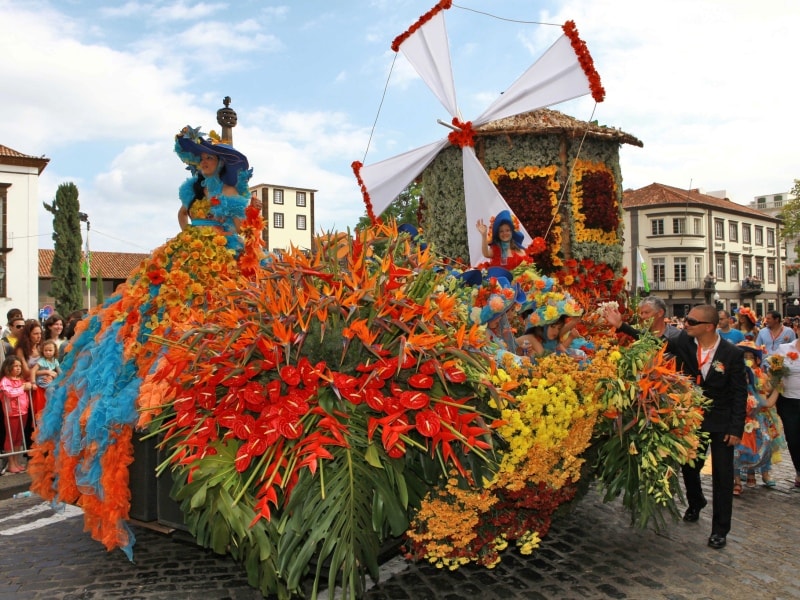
30,354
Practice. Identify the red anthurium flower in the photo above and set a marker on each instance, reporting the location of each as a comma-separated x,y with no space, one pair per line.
428,367
290,427
244,426
344,381
421,381
455,375
375,399
290,375
397,450
243,458
414,400
428,423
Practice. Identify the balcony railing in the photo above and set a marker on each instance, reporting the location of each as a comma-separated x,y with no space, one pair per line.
670,283
698,286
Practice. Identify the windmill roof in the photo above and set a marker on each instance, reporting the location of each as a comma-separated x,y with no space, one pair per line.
546,120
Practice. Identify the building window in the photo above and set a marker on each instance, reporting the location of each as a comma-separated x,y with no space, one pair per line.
770,237
771,272
719,229
277,220
762,202
300,200
679,226
733,231
657,226
760,270
734,269
659,270
747,268
745,234
778,199
719,268
277,197
698,226
759,236
698,268
301,222
679,267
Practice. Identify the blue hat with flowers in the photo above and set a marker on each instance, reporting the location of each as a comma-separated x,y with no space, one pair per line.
189,145
505,216
494,298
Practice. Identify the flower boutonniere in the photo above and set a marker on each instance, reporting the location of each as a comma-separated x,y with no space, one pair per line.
792,355
718,366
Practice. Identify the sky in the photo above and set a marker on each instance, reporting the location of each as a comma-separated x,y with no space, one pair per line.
101,88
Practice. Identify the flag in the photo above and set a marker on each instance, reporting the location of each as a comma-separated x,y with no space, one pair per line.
643,271
85,270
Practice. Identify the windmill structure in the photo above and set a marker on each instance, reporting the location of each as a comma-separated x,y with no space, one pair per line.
565,71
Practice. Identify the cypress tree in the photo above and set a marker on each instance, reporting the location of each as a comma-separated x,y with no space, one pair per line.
100,294
66,270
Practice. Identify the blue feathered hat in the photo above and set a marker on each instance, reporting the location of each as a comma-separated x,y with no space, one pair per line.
504,216
190,145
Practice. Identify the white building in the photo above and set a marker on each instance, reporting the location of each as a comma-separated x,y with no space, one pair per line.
683,235
19,231
772,204
289,215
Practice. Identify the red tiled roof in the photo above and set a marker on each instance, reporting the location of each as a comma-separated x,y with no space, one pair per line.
109,265
658,194
12,157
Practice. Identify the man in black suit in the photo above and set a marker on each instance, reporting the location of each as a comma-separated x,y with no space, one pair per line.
717,366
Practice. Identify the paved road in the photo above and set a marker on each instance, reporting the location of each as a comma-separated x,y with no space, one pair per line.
592,553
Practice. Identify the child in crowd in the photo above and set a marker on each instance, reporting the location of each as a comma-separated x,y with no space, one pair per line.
43,372
14,391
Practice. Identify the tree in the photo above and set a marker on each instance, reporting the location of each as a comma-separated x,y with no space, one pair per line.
402,209
100,294
790,214
66,270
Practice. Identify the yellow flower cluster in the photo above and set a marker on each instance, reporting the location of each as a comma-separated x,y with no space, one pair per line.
528,542
446,523
528,171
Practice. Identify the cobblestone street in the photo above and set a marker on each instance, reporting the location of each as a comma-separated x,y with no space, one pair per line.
592,553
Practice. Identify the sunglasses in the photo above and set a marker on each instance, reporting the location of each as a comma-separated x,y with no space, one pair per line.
692,322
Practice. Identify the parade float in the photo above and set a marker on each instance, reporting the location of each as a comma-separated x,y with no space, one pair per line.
346,399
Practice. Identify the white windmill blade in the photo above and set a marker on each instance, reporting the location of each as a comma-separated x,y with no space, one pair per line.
428,51
481,198
385,180
556,77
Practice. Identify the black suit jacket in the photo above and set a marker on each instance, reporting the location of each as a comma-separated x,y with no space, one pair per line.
725,385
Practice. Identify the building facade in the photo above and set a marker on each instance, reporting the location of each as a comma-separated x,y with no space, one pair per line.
772,204
701,248
289,215
19,230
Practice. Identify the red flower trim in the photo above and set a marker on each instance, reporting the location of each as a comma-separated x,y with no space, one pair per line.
464,135
367,201
440,6
585,60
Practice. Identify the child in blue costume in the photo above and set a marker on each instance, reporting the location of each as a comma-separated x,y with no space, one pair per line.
106,390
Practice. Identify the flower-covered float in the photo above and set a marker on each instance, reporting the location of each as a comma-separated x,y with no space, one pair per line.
329,403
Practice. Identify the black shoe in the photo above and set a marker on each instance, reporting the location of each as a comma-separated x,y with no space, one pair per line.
693,512
717,541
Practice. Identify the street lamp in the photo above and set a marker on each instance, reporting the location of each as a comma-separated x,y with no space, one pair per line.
84,218
717,303
796,302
